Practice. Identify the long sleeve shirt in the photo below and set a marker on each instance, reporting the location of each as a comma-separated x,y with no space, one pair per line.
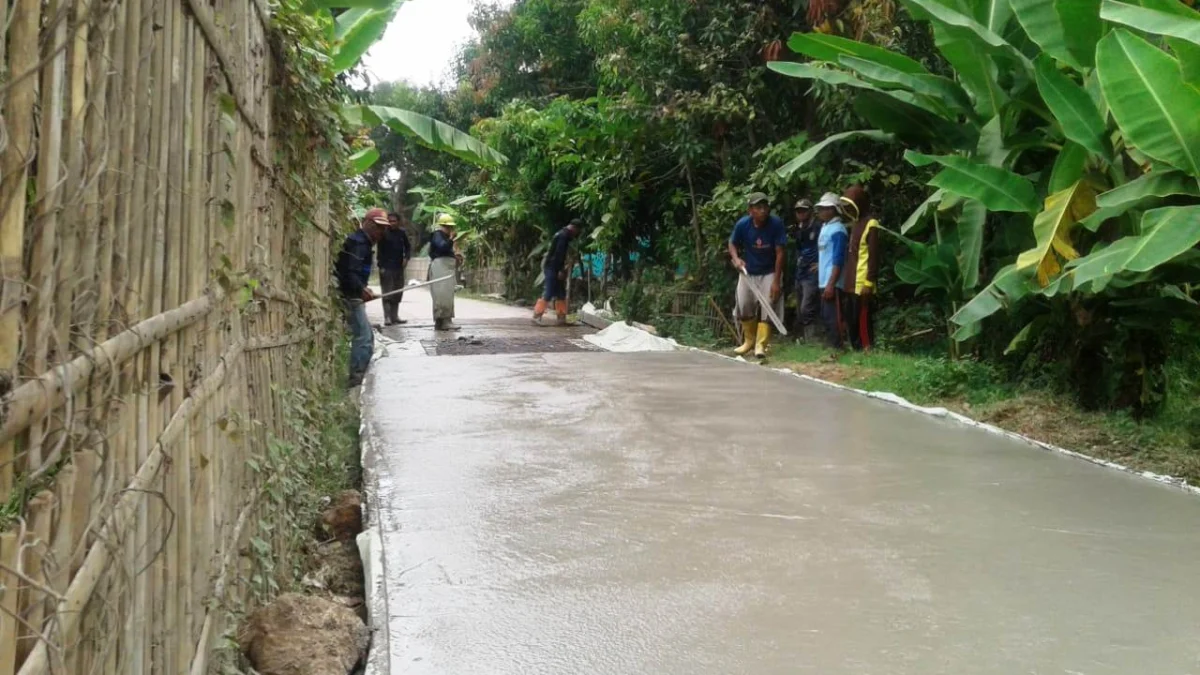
560,246
831,252
353,267
394,249
440,245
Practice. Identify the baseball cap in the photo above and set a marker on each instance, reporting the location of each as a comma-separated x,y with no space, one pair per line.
758,198
804,204
377,216
577,222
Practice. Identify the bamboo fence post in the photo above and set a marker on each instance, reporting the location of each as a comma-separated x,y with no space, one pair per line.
32,604
75,15
39,313
10,549
60,550
14,166
96,146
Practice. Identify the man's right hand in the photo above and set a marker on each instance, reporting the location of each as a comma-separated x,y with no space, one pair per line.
367,295
828,294
739,264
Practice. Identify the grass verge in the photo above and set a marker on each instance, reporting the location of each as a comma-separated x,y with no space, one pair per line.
1166,444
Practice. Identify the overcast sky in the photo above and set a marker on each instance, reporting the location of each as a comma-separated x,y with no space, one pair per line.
421,42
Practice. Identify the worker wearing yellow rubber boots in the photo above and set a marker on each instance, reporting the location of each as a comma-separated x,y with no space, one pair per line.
756,248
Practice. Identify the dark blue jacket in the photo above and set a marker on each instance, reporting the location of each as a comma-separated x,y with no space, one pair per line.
556,257
354,264
394,249
440,245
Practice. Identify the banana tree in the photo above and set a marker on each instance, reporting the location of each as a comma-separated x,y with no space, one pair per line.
353,27
1073,123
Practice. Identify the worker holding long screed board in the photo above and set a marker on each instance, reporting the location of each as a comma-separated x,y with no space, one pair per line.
353,269
757,250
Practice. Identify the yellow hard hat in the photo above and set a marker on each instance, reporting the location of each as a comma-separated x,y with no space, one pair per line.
445,219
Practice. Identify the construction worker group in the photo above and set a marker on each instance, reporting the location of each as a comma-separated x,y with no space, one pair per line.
835,258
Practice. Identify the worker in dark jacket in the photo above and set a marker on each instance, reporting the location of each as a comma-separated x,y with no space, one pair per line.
353,270
444,261
555,271
394,253
861,271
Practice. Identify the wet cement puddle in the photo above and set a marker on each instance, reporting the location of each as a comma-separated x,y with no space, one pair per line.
468,345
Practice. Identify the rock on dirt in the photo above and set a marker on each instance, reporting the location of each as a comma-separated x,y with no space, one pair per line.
343,519
304,635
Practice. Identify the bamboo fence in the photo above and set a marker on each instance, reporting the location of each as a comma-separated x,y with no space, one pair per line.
139,368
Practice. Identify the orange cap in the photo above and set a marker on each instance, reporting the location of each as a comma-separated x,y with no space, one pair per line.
378,216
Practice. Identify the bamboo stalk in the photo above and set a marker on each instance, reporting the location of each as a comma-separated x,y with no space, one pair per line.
32,605
36,397
39,326
130,120
66,274
229,70
61,548
10,549
96,148
14,165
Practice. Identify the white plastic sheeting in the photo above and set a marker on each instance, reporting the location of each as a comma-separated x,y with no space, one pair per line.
621,337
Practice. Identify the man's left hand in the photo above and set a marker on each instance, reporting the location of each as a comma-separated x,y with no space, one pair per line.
775,290
867,291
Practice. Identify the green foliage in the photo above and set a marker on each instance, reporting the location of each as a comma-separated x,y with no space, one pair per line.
1064,110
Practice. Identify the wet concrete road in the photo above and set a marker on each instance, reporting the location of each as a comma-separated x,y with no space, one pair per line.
679,513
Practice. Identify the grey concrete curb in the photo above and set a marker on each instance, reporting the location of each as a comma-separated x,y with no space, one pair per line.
372,550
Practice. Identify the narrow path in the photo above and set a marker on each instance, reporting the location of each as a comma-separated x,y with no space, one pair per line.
576,512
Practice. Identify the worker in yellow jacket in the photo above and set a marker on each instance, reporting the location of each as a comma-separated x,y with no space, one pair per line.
860,274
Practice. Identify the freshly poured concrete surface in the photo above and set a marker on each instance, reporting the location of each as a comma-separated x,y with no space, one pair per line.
677,513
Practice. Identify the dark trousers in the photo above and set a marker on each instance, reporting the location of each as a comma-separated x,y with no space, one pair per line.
362,339
808,301
833,316
553,288
860,321
391,280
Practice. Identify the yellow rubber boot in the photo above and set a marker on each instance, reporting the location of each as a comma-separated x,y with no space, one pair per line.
749,331
764,336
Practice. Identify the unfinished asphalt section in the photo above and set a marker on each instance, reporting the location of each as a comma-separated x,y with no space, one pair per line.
678,513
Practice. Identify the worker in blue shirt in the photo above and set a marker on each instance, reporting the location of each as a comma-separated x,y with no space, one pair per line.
353,269
756,247
831,258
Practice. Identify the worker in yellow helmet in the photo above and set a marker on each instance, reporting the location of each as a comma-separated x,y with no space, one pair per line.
444,260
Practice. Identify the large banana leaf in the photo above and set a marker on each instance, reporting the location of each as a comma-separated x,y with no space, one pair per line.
1145,191
433,134
809,154
998,189
1073,108
919,213
970,242
1152,20
835,77
956,22
831,47
942,95
355,30
975,68
1052,229
1154,107
994,14
339,4
913,124
1068,167
1153,184
1065,29
1187,52
1166,233
1008,287
363,160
